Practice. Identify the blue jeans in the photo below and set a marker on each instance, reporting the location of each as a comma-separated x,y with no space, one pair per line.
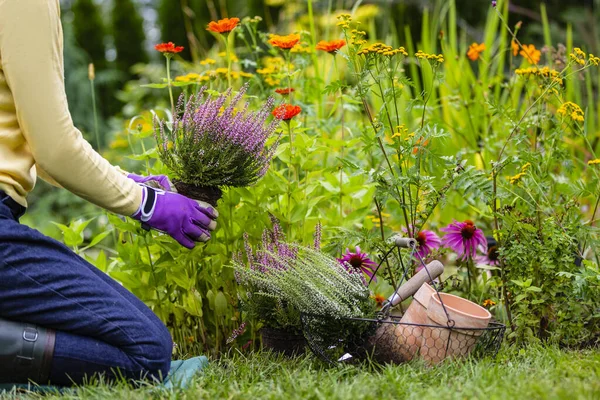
101,328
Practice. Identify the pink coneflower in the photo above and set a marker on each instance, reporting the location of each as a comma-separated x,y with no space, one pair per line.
358,261
463,238
427,241
489,258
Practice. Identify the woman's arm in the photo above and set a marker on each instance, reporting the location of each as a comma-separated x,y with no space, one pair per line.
31,47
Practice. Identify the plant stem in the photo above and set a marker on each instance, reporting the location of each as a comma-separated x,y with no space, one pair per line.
342,146
95,114
158,298
227,52
168,57
387,263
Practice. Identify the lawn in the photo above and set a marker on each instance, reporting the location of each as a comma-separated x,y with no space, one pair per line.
531,373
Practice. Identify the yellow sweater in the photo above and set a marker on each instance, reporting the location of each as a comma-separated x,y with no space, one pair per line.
37,135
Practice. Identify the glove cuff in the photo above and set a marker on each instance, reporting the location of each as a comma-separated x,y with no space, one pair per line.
148,204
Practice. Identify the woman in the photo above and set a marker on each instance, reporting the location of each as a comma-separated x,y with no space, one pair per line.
61,319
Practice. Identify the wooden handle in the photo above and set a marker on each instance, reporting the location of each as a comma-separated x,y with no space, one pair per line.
435,269
404,243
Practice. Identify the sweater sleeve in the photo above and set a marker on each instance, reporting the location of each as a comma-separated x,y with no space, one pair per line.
31,47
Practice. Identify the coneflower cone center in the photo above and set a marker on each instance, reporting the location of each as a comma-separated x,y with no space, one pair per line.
468,230
356,261
421,239
493,253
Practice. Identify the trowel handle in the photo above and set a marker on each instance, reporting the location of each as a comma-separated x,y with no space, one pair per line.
405,243
411,286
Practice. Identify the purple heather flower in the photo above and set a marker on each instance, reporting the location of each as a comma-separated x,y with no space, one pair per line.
317,236
358,261
490,256
464,238
494,3
206,128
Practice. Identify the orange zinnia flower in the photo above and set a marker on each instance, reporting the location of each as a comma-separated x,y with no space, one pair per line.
532,54
514,47
168,48
284,91
224,25
475,50
419,146
286,112
379,299
332,46
284,42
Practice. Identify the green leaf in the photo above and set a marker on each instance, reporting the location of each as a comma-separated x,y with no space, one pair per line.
299,212
220,304
329,187
97,239
147,155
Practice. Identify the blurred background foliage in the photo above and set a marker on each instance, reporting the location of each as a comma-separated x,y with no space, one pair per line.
117,36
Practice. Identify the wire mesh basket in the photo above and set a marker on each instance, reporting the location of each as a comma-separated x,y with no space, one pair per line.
392,341
433,328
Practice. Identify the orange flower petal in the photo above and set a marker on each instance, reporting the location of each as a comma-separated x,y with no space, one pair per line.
331,46
286,112
224,25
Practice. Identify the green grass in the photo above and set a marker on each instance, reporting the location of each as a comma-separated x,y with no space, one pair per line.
532,373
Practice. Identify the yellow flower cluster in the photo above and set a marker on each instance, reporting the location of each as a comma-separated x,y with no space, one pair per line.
544,72
234,58
272,68
383,49
580,57
357,37
517,178
301,49
432,57
192,77
593,162
571,110
208,61
401,130
345,20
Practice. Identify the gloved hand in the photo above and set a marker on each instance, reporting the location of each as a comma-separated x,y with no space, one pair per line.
185,220
162,180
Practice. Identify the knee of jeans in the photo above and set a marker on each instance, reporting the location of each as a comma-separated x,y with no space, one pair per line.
158,358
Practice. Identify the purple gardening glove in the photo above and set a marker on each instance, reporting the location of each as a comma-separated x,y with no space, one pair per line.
185,220
162,180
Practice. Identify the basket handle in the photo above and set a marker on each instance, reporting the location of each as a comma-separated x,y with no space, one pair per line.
427,274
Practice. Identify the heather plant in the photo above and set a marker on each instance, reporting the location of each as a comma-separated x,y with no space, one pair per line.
214,144
303,277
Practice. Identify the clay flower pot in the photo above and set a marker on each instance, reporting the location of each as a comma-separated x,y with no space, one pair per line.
469,320
400,342
207,194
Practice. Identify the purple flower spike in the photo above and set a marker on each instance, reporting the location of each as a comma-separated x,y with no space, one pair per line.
494,3
215,141
464,238
358,261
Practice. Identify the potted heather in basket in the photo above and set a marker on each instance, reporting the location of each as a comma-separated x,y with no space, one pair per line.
212,144
282,281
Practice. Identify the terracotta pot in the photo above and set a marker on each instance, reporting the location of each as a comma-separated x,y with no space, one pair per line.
207,194
444,342
400,342
283,341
